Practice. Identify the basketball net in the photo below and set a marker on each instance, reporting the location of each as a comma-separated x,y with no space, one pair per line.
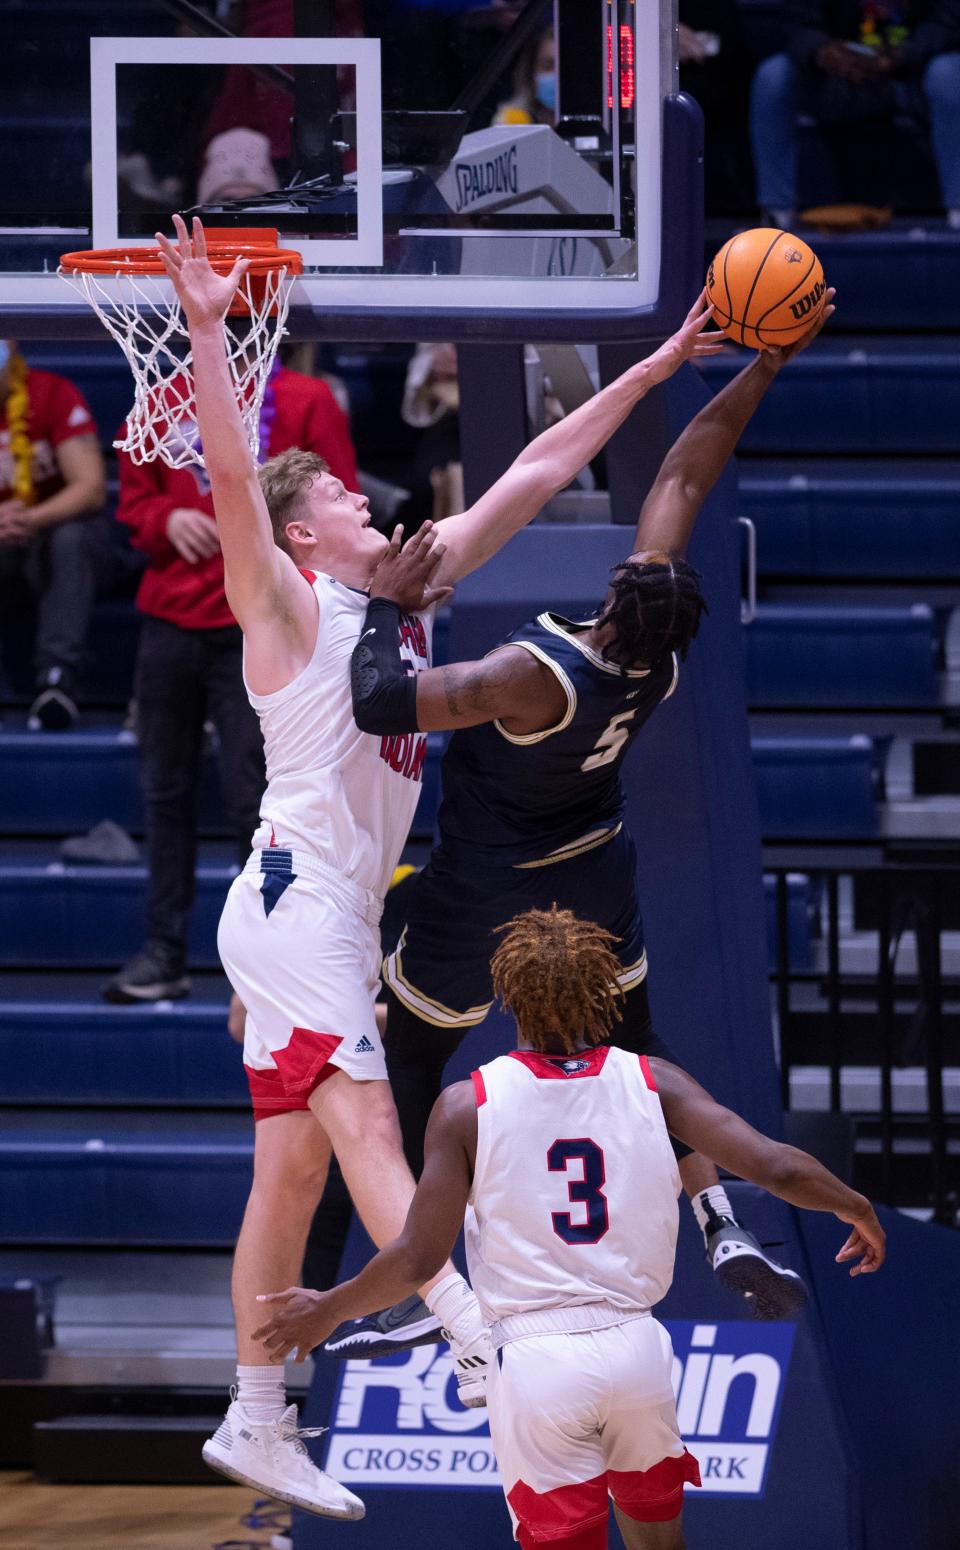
141,311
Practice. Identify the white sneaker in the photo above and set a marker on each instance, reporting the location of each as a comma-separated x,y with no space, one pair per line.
270,1457
472,1354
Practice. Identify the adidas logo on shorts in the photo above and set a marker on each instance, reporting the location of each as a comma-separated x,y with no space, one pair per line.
364,1047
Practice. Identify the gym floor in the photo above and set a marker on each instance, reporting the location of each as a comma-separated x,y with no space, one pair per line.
134,1517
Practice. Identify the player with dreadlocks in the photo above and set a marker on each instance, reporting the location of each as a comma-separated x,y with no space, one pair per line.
533,807
567,1267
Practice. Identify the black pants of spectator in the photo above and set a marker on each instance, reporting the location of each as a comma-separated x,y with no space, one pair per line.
65,566
184,678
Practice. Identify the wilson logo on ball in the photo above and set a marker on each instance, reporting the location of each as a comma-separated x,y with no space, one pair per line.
806,304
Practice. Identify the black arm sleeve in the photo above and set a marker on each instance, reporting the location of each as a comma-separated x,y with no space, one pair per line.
384,689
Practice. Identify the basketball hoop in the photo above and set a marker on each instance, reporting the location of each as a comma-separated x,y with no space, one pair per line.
129,291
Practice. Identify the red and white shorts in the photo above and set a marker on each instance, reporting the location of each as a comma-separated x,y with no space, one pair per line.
578,1418
301,947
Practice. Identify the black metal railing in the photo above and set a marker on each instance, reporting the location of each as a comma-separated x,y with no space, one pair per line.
894,900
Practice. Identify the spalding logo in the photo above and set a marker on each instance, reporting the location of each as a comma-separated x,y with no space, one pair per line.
807,303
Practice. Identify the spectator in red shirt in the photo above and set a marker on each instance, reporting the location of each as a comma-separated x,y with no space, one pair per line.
53,536
189,669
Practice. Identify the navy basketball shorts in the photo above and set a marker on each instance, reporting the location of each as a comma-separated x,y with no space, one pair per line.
440,968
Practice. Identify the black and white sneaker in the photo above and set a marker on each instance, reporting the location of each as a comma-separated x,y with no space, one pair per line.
155,974
54,709
473,1356
408,1324
739,1262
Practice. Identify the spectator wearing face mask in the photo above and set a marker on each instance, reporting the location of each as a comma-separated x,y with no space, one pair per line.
534,99
54,543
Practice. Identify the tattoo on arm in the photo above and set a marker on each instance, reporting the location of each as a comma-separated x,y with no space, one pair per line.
476,688
472,689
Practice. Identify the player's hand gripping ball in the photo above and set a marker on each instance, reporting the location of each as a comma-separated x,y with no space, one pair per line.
766,286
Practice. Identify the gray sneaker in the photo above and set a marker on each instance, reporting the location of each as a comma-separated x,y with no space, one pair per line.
400,1328
155,974
738,1262
105,845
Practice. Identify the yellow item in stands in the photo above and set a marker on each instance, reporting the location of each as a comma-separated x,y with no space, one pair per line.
21,447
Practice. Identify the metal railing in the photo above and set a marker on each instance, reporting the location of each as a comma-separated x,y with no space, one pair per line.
823,939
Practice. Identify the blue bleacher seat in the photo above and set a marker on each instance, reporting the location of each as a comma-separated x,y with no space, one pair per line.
893,280
855,394
800,921
53,915
123,1178
816,787
903,278
806,655
873,520
65,784
76,1052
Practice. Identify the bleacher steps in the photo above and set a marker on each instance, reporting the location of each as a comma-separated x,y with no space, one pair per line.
916,262
855,394
816,655
931,818
860,1089
72,1053
125,1178
848,520
59,916
124,1449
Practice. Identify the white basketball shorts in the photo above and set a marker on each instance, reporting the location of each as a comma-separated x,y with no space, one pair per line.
301,947
578,1418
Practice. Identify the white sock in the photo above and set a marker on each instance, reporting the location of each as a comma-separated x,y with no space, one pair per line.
262,1392
454,1304
710,1204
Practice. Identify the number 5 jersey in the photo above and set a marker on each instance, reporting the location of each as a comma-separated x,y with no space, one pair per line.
572,1222
530,800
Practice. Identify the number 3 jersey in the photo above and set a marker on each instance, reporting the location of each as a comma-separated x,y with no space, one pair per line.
525,799
574,1198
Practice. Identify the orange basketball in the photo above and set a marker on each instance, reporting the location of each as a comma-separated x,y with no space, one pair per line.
766,287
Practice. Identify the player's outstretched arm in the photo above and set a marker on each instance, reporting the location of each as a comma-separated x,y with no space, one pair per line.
698,457
705,1125
262,582
302,1319
556,456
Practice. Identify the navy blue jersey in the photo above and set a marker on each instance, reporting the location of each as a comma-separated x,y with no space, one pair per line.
518,800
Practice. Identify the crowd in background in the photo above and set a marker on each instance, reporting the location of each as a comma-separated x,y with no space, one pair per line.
864,72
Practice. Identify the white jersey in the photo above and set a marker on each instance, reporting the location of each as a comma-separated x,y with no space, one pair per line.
574,1198
343,795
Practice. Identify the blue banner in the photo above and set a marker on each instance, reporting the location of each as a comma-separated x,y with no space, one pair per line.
399,1423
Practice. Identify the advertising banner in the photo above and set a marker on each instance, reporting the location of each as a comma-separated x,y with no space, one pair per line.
399,1422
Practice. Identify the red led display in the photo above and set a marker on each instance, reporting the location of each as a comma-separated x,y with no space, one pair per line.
628,73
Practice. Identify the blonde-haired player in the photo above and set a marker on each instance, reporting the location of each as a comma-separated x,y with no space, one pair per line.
561,1151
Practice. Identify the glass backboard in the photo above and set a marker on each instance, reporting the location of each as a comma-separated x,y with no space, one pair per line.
485,170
